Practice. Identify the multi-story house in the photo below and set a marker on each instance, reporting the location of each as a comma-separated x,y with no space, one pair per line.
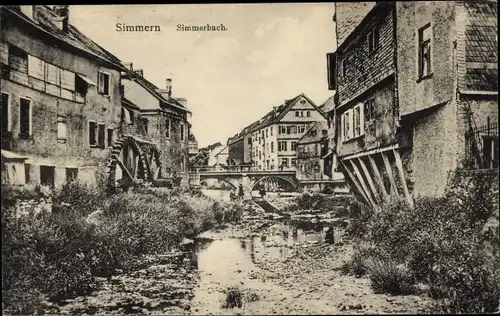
275,136
316,168
404,77
60,95
165,120
447,57
240,147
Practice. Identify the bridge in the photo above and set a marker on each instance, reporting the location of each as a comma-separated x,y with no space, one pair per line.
249,177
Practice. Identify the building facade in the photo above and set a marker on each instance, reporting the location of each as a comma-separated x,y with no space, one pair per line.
165,120
316,168
275,136
240,147
408,78
60,91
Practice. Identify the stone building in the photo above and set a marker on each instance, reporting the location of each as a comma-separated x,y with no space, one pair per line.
412,79
60,94
165,120
315,167
275,136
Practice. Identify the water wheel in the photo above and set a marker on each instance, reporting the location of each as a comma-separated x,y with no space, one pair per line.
127,165
153,164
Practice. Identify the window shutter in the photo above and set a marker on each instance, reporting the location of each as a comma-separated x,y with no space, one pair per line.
36,67
331,62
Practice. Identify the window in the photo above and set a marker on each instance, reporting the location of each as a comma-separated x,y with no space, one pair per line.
358,120
18,59
182,131
25,117
271,129
297,113
101,133
372,38
282,129
294,162
47,175
167,128
424,51
131,117
266,133
110,137
71,174
6,117
294,129
272,147
301,128
293,145
92,133
103,83
288,130
369,109
345,61
36,67
308,113
62,129
324,132
284,162
282,146
249,141
347,125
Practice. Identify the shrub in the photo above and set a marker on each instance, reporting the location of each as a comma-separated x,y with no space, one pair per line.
386,277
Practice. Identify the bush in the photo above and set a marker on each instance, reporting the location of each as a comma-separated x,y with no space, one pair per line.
441,242
59,253
386,277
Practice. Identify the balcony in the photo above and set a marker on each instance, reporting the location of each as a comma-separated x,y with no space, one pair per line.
193,147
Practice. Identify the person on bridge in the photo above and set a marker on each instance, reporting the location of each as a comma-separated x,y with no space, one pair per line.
240,191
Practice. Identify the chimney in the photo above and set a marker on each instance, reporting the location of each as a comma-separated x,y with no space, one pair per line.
129,66
62,19
139,72
182,101
275,108
168,87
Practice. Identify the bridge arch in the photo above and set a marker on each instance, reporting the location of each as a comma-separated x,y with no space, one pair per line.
235,186
286,179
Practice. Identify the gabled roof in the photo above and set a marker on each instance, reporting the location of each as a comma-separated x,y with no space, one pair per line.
220,151
73,36
148,85
314,133
329,105
129,104
243,133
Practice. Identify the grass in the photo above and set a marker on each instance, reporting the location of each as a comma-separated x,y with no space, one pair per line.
236,297
440,242
60,252
321,202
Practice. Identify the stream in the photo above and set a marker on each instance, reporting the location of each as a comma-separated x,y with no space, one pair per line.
261,266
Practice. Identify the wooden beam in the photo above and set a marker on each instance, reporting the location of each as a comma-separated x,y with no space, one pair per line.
136,169
124,169
363,184
380,181
358,186
394,188
370,181
399,164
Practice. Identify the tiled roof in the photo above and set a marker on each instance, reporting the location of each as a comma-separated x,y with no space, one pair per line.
129,104
152,88
272,116
73,36
481,40
349,15
481,80
329,105
314,133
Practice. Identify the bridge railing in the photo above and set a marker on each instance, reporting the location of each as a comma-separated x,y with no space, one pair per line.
232,169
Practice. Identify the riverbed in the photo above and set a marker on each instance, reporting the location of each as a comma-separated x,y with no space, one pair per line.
259,266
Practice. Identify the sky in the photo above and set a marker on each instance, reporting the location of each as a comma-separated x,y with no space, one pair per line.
269,53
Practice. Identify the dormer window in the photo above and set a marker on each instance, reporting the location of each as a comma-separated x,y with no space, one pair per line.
345,62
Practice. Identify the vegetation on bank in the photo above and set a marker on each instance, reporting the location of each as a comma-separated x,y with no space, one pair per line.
443,246
318,202
58,251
